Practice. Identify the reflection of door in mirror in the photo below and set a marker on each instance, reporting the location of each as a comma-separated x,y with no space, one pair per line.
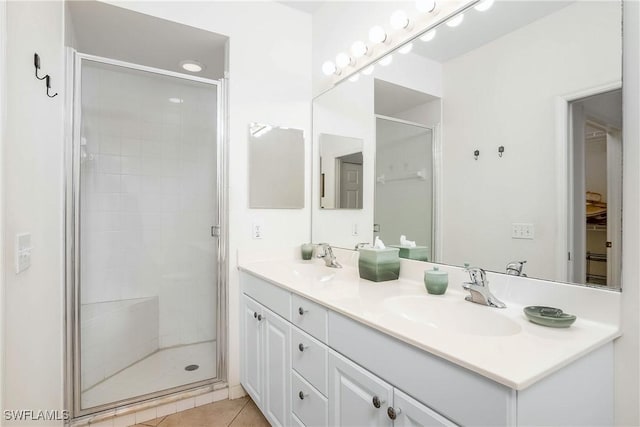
404,182
350,181
341,168
597,189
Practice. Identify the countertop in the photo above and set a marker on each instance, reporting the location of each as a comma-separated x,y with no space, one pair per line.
500,344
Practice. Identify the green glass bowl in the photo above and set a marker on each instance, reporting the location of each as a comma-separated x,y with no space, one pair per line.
549,316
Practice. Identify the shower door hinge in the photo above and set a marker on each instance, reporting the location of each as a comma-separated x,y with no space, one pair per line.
215,231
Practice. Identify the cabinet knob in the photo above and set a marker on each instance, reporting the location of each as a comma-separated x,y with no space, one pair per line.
255,315
377,402
302,395
301,347
260,317
302,311
393,413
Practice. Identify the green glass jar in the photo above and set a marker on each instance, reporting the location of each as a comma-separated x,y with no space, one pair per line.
436,281
306,251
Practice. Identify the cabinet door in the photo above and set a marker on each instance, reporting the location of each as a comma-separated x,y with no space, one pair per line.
411,413
356,397
252,349
277,366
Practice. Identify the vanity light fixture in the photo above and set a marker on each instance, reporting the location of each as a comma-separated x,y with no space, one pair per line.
367,71
455,21
484,5
329,68
428,36
343,60
406,48
377,34
426,6
355,77
192,66
176,100
386,60
359,49
400,20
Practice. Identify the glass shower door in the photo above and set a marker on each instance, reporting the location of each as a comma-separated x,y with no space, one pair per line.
148,192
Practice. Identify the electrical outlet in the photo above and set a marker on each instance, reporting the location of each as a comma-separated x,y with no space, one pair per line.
522,231
257,229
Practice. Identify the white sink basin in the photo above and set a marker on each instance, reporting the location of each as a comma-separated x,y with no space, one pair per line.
451,315
315,272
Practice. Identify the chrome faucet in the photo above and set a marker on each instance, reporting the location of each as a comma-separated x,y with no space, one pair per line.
515,268
362,245
328,256
478,288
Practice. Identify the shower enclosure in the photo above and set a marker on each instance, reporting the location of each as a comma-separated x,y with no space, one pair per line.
146,290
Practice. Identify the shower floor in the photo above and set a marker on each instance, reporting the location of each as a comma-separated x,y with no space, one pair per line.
161,370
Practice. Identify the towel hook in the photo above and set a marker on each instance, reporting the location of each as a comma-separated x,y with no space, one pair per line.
500,150
36,63
476,153
48,80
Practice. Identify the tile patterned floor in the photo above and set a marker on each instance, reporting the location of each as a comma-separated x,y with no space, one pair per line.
225,413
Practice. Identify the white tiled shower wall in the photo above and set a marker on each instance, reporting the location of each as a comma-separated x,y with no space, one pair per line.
115,335
148,198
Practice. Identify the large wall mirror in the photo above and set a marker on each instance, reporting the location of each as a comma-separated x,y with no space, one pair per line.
492,141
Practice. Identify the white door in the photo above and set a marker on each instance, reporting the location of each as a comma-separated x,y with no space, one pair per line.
277,366
356,397
252,349
411,413
351,185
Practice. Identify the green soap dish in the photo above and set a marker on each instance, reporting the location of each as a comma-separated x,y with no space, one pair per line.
549,316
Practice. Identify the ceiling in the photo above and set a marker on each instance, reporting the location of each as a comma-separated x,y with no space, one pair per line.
308,6
109,31
479,28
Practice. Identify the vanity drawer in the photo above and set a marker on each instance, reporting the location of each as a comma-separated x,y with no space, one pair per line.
310,317
295,421
309,358
312,408
275,298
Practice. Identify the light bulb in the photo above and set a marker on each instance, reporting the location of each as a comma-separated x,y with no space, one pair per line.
455,21
484,5
176,100
426,6
386,60
329,68
367,71
355,77
428,36
406,48
192,66
343,60
377,34
399,20
359,49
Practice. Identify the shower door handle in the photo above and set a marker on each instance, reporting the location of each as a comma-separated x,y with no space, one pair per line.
215,231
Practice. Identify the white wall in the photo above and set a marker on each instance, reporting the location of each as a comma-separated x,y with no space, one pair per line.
32,167
510,85
3,119
270,82
627,348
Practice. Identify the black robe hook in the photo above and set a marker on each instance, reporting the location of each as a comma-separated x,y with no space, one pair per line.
36,63
49,86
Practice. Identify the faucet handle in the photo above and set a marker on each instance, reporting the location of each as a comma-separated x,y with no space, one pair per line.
478,275
362,245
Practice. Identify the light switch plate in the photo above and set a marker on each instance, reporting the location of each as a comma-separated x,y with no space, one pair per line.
522,231
23,252
257,229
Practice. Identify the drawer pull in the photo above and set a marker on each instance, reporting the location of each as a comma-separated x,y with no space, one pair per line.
301,347
377,403
260,317
255,315
302,395
302,311
393,413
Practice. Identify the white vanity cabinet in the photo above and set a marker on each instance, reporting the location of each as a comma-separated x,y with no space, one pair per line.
266,360
307,365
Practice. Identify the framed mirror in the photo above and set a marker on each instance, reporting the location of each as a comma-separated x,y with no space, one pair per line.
518,112
276,167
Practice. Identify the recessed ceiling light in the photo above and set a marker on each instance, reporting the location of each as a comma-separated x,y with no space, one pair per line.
192,66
